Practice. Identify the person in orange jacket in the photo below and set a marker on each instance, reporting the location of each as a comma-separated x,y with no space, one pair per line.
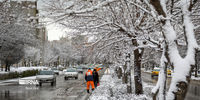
90,80
97,69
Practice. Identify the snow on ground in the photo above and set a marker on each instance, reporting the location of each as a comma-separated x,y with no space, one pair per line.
3,72
21,69
25,80
195,78
111,88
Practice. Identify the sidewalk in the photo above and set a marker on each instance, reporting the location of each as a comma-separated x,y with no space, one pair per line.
102,92
111,88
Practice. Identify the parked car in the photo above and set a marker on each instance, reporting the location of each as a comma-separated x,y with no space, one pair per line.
60,67
156,70
79,69
46,76
70,73
55,70
198,73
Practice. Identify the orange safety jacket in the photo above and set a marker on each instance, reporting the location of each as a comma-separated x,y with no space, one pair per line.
97,69
89,76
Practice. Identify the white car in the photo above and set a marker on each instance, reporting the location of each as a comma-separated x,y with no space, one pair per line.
79,69
55,70
46,76
70,73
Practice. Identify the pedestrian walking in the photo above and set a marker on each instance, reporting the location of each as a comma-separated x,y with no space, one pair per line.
90,80
96,78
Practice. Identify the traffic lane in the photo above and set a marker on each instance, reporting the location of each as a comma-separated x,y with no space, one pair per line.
64,90
193,89
146,77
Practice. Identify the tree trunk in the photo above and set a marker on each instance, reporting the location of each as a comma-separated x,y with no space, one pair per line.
182,90
119,73
196,64
129,85
137,68
124,78
9,67
137,72
6,67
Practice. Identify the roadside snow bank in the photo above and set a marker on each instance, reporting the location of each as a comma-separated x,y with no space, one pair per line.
2,72
195,78
21,69
102,92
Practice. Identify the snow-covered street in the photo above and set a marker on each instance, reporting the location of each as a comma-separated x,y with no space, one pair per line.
64,90
130,49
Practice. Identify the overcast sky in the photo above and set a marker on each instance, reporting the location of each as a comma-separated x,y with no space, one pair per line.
54,31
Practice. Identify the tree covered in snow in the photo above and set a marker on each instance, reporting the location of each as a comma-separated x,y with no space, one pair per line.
65,51
112,21
32,56
15,33
139,23
177,26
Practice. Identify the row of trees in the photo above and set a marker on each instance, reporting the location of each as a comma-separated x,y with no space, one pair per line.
66,51
16,32
125,27
20,42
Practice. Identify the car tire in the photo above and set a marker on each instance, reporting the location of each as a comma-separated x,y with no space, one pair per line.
40,83
76,78
55,82
52,83
66,78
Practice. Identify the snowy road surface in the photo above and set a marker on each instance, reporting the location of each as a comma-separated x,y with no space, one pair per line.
193,91
64,90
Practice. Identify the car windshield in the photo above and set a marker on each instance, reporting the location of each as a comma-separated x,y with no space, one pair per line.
156,70
53,69
71,70
45,73
79,67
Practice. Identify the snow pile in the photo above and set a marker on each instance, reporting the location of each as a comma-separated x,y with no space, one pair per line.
21,69
102,92
195,78
111,88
